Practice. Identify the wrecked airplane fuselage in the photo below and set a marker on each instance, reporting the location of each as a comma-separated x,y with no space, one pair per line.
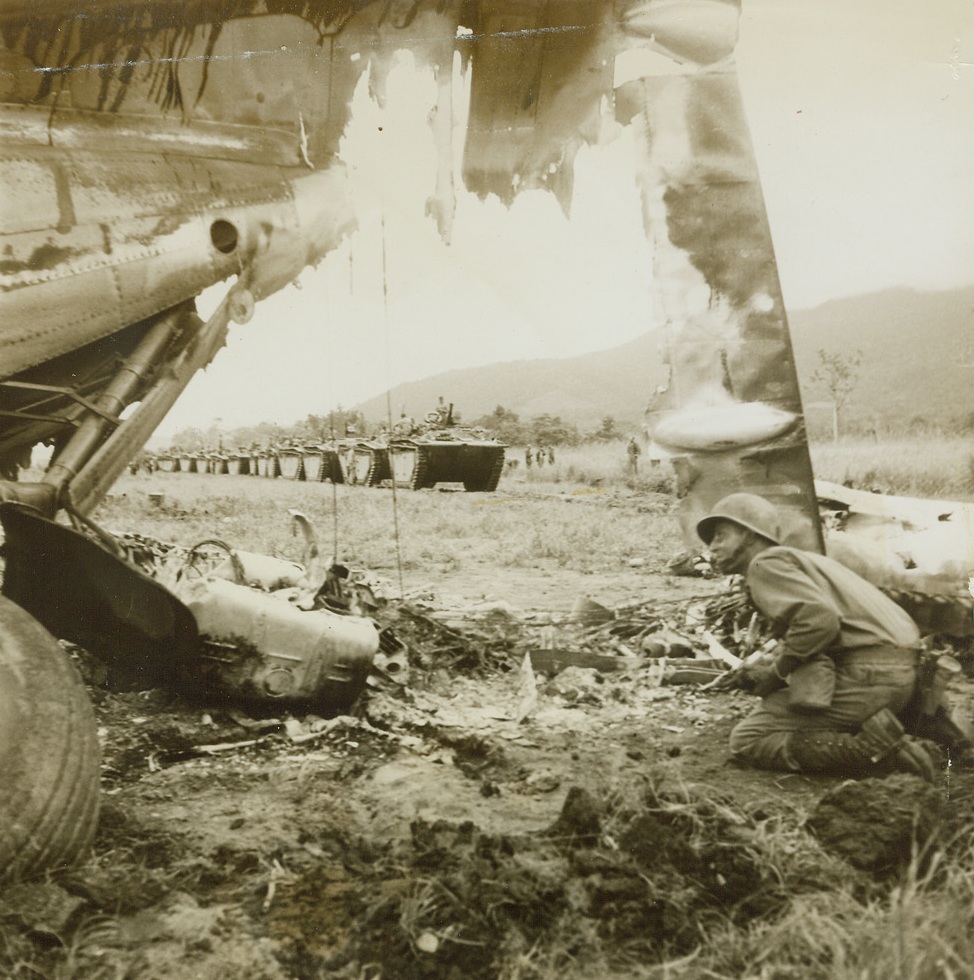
162,150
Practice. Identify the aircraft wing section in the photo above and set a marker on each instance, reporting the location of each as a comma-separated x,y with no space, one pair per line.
730,413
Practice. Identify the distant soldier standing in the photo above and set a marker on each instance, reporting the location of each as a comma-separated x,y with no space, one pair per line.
528,456
633,451
539,456
404,427
551,455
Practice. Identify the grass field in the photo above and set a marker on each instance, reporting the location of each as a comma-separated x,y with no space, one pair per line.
915,466
587,514
918,466
584,529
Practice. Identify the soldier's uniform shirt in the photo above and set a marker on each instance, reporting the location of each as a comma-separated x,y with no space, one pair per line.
828,613
824,607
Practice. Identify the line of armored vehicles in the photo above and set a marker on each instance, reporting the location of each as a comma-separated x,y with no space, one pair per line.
413,455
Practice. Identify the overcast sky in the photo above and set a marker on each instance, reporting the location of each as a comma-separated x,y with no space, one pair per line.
862,118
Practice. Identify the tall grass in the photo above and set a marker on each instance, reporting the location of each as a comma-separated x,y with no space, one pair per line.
915,466
573,515
922,929
921,465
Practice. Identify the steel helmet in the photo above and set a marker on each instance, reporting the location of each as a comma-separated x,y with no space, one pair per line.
746,509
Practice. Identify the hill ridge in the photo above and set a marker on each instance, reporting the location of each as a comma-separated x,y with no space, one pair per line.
918,363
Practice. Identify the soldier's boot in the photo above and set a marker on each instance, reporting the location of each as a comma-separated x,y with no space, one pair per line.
881,746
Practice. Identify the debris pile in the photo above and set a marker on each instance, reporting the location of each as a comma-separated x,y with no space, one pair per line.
295,635
418,834
340,620
691,641
147,732
716,631
469,644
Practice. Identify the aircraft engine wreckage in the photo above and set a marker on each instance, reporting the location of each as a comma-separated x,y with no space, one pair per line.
152,150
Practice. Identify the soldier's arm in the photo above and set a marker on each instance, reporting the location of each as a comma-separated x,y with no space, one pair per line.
782,591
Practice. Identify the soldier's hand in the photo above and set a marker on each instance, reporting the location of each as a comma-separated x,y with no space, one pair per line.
762,680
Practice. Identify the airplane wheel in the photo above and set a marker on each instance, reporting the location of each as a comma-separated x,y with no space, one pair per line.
49,752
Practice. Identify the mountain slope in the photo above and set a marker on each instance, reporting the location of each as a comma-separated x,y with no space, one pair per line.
918,362
918,352
582,390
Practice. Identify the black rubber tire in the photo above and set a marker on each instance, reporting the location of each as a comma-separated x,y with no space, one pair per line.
49,753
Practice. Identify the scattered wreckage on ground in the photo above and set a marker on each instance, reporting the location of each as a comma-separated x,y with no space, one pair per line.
284,638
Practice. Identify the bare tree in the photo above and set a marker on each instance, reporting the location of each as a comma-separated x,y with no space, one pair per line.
839,373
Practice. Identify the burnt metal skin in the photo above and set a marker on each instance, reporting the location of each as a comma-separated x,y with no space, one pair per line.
159,148
730,409
150,150
127,199
147,151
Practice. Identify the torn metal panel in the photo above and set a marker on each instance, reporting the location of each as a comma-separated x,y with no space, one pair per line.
540,74
441,205
920,552
81,592
731,412
164,147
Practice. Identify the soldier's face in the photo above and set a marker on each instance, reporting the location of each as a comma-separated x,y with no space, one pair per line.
730,547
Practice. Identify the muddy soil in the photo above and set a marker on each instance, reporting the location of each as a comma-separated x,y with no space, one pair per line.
433,833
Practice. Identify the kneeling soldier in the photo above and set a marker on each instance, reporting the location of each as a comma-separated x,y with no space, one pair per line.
846,663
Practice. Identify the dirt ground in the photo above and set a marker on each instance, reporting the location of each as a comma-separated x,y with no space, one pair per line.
481,820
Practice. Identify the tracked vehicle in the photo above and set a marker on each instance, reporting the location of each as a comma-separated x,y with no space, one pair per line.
367,463
444,452
239,463
290,460
322,463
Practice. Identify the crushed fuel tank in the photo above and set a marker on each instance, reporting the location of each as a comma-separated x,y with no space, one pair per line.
259,647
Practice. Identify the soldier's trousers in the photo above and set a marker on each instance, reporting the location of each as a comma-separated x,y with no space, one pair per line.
866,681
